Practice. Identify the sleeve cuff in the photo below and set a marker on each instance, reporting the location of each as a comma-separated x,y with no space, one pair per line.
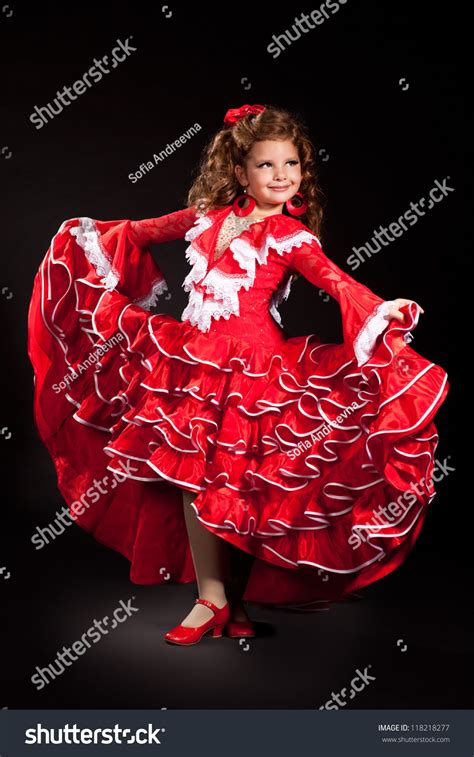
376,323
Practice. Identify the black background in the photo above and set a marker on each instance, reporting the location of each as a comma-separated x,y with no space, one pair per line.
386,146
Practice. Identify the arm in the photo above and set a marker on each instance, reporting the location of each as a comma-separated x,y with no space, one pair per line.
164,228
364,314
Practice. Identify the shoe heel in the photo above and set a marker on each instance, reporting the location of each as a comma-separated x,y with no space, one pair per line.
217,631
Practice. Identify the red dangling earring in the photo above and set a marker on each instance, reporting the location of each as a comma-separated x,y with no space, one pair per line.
237,208
296,210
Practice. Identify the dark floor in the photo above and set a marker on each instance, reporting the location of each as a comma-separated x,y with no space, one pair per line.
409,632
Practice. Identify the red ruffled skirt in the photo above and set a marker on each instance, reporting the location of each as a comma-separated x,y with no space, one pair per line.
320,469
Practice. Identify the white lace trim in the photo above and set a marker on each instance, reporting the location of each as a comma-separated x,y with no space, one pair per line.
198,270
277,298
88,238
246,255
200,224
151,299
375,325
200,312
224,288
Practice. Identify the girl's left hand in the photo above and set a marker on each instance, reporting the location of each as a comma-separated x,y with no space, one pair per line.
394,311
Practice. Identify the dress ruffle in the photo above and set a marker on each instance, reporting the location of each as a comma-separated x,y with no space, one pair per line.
253,432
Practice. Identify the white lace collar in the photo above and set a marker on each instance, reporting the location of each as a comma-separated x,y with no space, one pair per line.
223,286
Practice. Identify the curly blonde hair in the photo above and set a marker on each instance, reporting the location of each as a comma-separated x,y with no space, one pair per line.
217,185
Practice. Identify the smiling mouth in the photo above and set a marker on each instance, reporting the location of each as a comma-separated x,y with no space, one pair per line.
279,189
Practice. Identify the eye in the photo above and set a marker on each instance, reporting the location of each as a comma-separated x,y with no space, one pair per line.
268,163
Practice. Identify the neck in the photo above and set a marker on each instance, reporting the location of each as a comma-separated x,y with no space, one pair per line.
261,214
264,211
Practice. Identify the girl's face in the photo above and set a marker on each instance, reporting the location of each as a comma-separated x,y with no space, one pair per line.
272,173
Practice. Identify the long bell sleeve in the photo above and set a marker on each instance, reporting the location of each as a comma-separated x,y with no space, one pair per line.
119,251
363,312
164,228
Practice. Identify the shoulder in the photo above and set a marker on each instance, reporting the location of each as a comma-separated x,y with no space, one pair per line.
202,222
286,232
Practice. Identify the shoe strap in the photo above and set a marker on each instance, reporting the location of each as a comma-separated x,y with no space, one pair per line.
209,604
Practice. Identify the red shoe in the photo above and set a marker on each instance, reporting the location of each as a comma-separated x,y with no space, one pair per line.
239,629
183,635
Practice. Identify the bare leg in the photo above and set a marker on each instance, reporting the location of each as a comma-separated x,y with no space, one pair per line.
240,567
211,562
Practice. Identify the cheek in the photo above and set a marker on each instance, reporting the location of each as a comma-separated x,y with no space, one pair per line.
260,180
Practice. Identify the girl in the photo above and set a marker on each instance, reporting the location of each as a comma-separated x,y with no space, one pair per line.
268,469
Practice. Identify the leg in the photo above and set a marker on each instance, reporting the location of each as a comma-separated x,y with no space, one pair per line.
211,562
240,567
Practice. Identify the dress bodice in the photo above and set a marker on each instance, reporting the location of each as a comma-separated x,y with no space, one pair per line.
257,319
231,227
236,272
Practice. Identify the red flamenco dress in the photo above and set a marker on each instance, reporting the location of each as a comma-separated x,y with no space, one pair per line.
314,458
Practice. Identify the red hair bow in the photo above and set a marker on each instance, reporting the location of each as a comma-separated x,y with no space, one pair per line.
235,114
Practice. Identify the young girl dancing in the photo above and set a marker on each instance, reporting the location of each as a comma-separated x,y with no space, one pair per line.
274,470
